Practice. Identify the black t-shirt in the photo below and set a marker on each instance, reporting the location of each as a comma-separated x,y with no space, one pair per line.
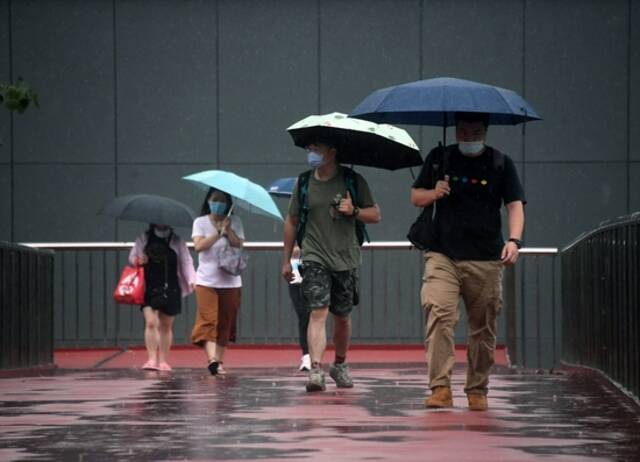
468,221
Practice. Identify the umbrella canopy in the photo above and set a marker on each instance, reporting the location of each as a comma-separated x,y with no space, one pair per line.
435,101
282,187
248,195
358,141
149,208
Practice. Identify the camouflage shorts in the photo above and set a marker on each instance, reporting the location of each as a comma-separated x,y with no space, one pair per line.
336,289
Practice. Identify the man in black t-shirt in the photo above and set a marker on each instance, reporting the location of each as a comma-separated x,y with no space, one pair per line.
468,182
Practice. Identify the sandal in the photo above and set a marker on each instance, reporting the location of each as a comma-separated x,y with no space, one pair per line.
164,367
150,366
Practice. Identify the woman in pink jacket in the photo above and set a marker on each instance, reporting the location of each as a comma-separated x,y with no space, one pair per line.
168,276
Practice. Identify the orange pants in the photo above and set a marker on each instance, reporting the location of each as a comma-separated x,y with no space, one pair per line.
216,316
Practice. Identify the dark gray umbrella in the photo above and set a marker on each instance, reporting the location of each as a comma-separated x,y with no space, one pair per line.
149,208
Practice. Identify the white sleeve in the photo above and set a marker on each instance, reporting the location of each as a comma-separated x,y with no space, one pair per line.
197,228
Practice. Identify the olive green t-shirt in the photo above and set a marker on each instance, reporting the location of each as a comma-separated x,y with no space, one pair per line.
330,238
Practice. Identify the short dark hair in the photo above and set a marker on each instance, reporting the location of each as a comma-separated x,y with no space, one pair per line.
327,140
472,117
204,210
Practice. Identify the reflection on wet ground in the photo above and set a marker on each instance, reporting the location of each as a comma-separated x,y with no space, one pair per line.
266,414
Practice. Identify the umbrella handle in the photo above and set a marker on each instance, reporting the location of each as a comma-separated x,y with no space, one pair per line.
230,210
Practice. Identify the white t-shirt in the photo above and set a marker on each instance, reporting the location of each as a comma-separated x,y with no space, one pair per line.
209,273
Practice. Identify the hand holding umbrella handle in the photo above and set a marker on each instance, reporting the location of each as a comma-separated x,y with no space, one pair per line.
223,227
226,221
442,188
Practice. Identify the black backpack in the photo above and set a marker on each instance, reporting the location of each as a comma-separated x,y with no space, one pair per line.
351,183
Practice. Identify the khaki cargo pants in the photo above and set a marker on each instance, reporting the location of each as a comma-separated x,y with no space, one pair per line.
480,285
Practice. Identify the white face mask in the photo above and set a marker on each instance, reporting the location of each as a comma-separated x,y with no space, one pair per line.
471,148
162,233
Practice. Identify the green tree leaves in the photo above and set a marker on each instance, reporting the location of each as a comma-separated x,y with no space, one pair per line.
17,97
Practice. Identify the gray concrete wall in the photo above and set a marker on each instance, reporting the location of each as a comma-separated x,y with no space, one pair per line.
135,94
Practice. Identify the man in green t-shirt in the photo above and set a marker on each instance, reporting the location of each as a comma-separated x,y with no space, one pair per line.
330,254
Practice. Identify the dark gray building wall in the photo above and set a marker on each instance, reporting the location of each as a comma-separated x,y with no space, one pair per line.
136,94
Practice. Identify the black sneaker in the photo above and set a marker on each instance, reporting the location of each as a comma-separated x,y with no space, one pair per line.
213,367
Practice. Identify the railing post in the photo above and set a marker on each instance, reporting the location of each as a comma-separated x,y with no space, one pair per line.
510,313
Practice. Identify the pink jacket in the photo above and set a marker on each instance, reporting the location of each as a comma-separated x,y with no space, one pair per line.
186,273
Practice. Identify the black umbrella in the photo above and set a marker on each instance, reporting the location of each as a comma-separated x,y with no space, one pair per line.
149,208
358,141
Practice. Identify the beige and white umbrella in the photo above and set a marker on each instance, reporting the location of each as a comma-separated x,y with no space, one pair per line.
359,142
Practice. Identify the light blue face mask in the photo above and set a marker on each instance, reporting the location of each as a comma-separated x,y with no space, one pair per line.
315,160
471,148
217,208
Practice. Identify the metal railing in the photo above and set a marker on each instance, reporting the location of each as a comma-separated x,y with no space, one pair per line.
601,303
26,306
389,311
531,302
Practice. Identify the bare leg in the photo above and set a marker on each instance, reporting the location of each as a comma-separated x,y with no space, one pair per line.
220,350
210,348
151,339
341,334
317,334
165,330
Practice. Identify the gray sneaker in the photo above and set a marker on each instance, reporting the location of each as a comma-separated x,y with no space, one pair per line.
316,380
340,374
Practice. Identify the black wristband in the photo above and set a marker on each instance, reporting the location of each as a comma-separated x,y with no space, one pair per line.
517,242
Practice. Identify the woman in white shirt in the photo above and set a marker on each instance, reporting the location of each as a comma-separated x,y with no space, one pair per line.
217,291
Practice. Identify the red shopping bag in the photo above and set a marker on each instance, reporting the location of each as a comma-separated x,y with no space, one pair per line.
130,288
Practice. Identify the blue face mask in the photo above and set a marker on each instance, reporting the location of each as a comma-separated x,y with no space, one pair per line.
315,160
217,208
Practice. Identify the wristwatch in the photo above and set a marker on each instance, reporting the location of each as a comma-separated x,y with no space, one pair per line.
517,242
356,211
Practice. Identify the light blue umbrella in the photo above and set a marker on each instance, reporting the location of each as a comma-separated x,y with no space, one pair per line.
246,194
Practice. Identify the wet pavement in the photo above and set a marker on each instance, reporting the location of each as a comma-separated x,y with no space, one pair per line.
264,413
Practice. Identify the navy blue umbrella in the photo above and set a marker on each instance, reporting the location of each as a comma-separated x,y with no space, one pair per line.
435,101
282,187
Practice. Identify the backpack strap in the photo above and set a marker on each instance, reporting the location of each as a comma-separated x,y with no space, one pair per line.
497,169
303,205
440,162
351,181
498,161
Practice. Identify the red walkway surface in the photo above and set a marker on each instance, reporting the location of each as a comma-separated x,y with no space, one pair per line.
246,356
260,410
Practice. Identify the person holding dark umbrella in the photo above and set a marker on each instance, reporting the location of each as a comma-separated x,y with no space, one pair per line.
461,189
325,214
469,182
168,267
168,276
